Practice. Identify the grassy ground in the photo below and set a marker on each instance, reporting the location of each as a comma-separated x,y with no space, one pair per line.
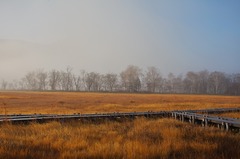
68,103
140,138
232,115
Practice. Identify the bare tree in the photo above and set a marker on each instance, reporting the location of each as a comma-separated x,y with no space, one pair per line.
152,79
236,84
178,84
233,87
83,75
98,82
110,81
4,85
217,81
191,82
162,87
77,82
54,79
92,81
30,81
131,78
41,77
169,83
66,79
203,81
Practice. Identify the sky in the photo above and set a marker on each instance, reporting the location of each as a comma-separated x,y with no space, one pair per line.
108,35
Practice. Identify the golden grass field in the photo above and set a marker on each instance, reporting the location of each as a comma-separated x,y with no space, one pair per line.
71,102
139,138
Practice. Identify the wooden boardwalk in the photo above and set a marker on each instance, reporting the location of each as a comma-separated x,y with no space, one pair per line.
207,120
193,116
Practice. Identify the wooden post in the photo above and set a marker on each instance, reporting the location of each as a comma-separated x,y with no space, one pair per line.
203,122
227,126
193,119
190,119
222,126
206,122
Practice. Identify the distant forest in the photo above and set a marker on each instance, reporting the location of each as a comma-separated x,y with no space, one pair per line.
132,79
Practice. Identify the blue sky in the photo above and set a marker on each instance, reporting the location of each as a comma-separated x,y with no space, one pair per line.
106,36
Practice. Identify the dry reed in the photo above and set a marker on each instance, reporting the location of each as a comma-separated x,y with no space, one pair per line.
140,138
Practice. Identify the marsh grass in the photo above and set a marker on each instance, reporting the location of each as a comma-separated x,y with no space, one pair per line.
140,138
77,102
231,115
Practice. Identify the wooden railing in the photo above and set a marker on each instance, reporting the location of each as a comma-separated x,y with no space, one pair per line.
193,116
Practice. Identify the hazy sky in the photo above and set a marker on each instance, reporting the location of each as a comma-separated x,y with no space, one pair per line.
108,35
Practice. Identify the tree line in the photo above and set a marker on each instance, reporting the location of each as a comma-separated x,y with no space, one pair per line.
132,79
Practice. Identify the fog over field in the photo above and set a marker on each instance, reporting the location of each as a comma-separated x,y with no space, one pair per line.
106,36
